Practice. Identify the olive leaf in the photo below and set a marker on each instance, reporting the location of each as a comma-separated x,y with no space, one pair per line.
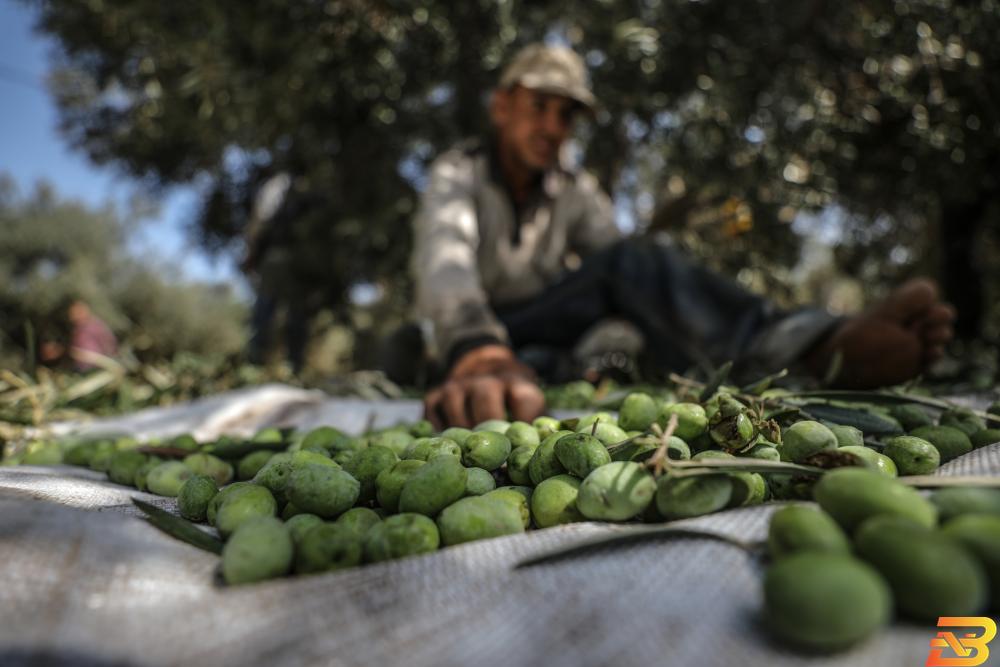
632,535
718,377
833,368
874,397
735,464
867,422
237,450
618,446
890,398
165,452
569,424
780,411
182,529
764,383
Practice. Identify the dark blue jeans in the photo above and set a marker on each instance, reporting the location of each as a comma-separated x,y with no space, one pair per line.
690,317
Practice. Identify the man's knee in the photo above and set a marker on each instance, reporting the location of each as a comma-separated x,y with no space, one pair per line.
638,260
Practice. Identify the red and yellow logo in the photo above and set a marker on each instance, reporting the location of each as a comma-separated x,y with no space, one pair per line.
968,650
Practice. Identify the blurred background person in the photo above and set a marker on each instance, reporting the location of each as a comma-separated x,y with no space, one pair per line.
90,340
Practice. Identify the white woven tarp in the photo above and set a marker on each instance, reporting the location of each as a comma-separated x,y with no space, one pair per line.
83,580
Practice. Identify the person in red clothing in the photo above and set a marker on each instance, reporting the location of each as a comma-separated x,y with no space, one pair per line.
90,339
91,336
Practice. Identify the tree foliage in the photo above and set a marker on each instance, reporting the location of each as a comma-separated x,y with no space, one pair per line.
722,121
57,250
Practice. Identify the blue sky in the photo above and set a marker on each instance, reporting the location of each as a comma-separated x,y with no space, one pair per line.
31,149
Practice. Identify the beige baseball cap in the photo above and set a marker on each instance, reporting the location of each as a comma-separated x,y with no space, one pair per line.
551,69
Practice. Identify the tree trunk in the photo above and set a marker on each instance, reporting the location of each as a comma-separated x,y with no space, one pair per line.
961,277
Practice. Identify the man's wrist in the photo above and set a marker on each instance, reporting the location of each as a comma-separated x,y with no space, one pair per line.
489,359
464,346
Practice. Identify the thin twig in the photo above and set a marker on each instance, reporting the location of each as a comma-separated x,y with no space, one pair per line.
658,461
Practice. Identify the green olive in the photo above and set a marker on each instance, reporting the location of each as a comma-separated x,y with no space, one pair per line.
517,465
123,466
421,429
399,536
869,458
389,483
796,528
824,601
957,501
359,519
493,425
433,486
987,436
851,495
326,437
456,434
638,412
616,491
544,463
328,547
580,453
804,439
245,504
396,440
964,420
485,449
300,524
847,436
980,535
478,518
545,426
554,501
930,574
213,466
692,420
950,442
322,490
259,549
167,478
195,495
424,449
912,455
910,416
251,464
684,497
478,482
518,497
522,434
365,467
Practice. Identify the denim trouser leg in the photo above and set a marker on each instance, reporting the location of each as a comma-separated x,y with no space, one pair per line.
689,316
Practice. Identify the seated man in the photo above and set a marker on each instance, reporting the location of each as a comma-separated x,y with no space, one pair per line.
512,248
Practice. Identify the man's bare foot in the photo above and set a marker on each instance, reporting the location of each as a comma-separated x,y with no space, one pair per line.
891,342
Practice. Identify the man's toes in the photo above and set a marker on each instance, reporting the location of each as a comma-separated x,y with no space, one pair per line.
938,315
910,301
938,335
932,353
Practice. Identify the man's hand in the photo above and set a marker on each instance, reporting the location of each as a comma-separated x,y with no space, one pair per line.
484,384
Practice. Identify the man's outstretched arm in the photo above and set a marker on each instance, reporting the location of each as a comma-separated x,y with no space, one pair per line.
485,379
